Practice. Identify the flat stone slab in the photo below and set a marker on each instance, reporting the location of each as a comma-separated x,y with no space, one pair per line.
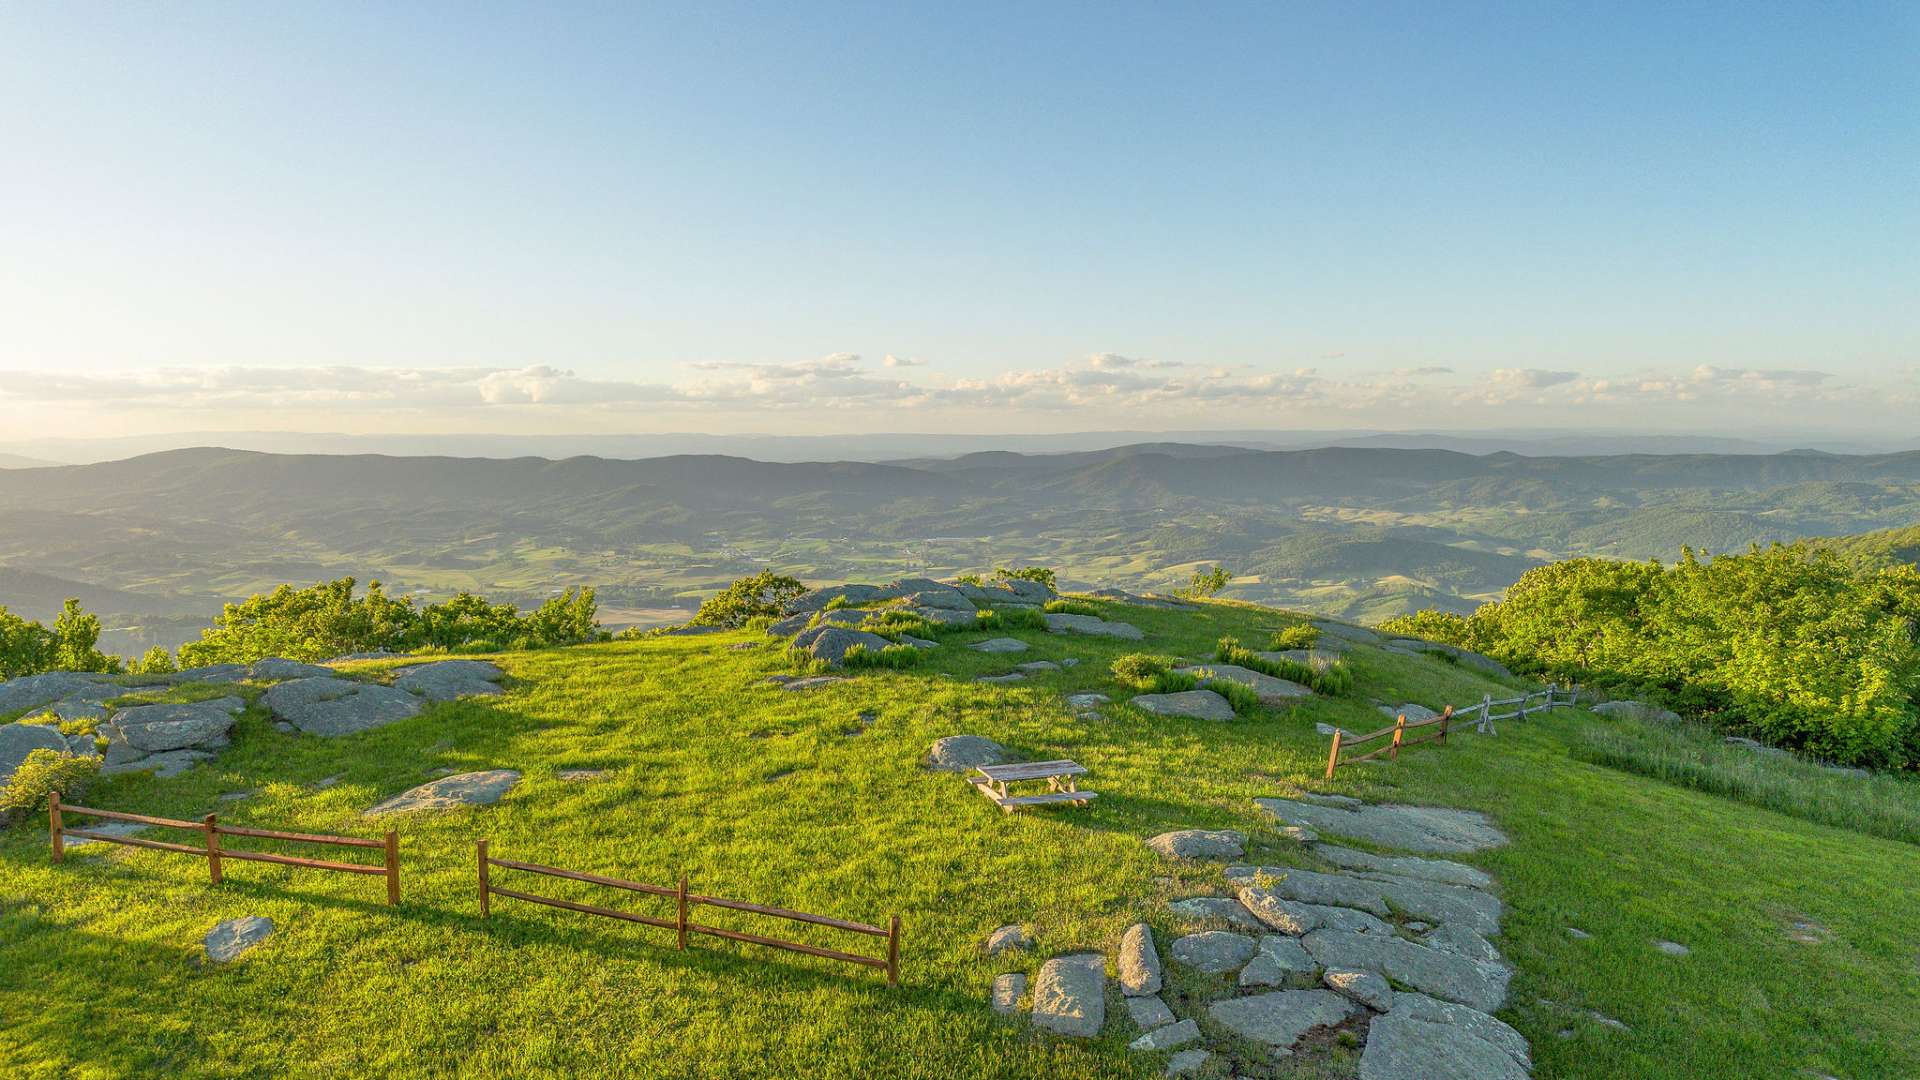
1280,1018
166,764
831,644
1138,962
232,937
1001,680
1069,995
1412,711
1276,912
1058,623
451,792
1149,1012
1330,916
1006,992
1000,645
151,729
1223,909
1215,952
445,680
1200,843
19,740
1191,704
280,669
1084,702
1186,1062
335,706
1279,959
962,753
1477,984
1403,1046
31,692
1440,870
1166,1038
1368,988
1336,890
1271,691
1426,829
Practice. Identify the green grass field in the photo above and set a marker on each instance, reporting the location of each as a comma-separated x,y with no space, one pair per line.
770,796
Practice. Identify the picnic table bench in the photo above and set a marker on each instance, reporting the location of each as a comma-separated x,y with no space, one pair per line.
992,782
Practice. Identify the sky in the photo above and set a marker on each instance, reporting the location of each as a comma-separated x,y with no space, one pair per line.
818,218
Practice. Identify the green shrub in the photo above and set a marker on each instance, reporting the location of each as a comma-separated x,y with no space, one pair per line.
838,602
1297,636
1206,583
1242,697
765,593
1026,573
1332,679
1016,618
974,580
27,648
895,623
1173,682
1139,670
895,657
1071,607
155,661
42,773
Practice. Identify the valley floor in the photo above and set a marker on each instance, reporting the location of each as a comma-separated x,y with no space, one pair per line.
787,798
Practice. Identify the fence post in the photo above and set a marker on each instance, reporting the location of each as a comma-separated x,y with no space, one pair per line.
393,867
212,822
680,907
486,905
1399,732
893,952
57,832
1486,715
1446,719
1333,755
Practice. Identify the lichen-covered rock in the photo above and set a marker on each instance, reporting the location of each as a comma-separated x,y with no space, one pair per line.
1166,1038
1280,1018
1279,959
1011,936
1429,829
1190,704
31,692
1148,1012
1200,844
1426,1039
1222,909
1058,623
1478,984
961,753
1069,995
1366,987
151,729
445,680
1440,870
1138,962
1000,645
335,706
832,643
1277,912
1213,951
1270,690
232,937
19,740
450,792
1006,992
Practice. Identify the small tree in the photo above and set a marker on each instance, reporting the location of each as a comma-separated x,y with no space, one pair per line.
1041,574
75,635
763,594
26,648
155,661
1207,582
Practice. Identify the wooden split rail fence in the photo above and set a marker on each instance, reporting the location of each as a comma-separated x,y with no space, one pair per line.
684,902
1524,705
216,853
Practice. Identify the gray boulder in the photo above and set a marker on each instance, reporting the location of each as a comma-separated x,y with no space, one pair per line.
1069,995
1278,913
1338,890
165,764
1358,635
335,706
1166,1038
276,669
1279,959
820,598
1477,984
1219,909
1365,987
1280,1018
1428,829
1414,713
211,673
832,643
1440,870
19,740
962,753
31,692
1006,992
946,616
1200,844
234,936
1215,952
1148,1012
1058,623
1138,962
1000,645
151,729
1011,936
940,597
1189,704
1186,1062
1402,1046
1271,691
451,792
1086,702
445,680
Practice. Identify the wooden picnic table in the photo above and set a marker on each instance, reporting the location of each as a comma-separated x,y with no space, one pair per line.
992,782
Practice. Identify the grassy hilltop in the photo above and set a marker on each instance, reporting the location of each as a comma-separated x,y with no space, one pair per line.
788,798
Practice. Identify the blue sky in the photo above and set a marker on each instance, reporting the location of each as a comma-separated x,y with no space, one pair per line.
728,218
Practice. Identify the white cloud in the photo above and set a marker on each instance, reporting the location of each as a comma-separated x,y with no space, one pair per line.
903,361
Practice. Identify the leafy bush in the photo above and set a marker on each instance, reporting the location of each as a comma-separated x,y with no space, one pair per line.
1016,618
1071,607
1332,679
896,623
1297,636
1026,573
1206,583
42,773
1789,643
28,648
1139,670
893,656
969,579
765,593
1442,626
1173,682
155,661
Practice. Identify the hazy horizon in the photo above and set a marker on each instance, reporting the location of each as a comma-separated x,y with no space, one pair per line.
742,219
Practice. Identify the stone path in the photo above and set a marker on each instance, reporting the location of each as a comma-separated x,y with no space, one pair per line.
1394,948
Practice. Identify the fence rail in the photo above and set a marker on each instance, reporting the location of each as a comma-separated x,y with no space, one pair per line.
212,850
684,901
1551,697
